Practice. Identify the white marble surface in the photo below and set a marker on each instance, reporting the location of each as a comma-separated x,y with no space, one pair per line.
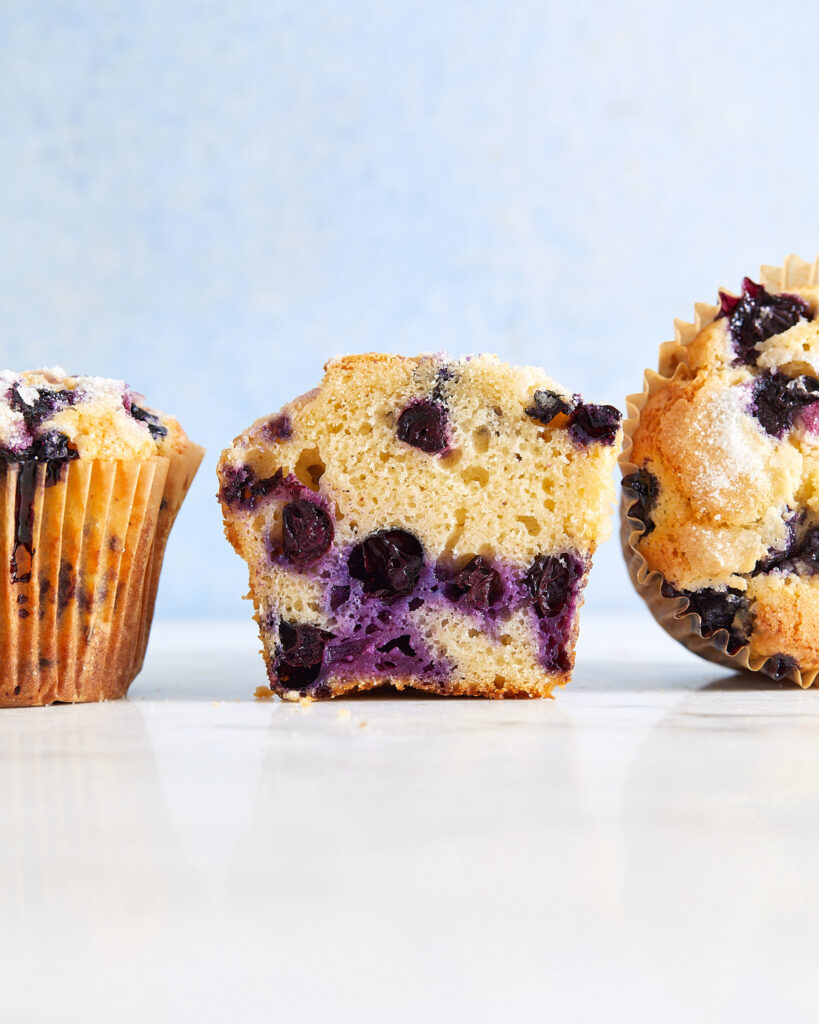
641,848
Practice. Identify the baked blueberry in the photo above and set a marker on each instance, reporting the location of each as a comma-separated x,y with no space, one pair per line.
477,585
241,488
307,532
424,425
300,654
595,423
756,315
645,488
388,563
548,404
778,398
551,580
151,420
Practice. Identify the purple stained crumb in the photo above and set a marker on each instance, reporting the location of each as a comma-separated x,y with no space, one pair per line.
373,634
777,399
756,315
424,424
307,532
279,428
646,489
553,583
809,418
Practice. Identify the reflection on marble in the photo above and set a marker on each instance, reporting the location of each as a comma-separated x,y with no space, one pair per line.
90,869
641,848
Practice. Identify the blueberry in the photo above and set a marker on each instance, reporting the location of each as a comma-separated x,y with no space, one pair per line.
424,425
299,654
589,423
241,488
46,403
279,428
757,315
646,488
387,563
151,419
551,580
477,585
548,404
780,666
777,558
807,550
777,398
307,532
717,609
53,447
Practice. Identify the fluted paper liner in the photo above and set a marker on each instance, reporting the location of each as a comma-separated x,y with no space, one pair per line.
80,558
672,612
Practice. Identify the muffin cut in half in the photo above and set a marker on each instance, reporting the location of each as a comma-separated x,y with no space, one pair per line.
721,478
91,480
421,522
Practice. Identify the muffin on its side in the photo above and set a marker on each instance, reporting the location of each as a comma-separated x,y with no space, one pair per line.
91,480
721,478
421,522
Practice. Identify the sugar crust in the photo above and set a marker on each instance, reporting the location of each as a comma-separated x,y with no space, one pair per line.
726,487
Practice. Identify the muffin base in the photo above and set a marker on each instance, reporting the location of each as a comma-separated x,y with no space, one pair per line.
82,557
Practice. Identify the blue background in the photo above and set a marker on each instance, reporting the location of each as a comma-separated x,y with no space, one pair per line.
210,199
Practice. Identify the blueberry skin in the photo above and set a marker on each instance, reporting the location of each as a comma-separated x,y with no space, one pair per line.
424,425
756,315
388,563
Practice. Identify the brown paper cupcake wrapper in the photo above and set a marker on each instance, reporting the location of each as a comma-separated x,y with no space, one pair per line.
672,612
80,551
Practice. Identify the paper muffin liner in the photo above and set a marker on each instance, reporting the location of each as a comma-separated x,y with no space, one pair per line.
672,612
81,550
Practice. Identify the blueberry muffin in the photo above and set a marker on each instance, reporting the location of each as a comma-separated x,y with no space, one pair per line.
721,484
91,480
421,522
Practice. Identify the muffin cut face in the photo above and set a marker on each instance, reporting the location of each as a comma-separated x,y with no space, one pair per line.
421,522
725,497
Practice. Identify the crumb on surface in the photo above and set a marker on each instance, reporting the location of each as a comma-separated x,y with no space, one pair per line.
263,693
343,712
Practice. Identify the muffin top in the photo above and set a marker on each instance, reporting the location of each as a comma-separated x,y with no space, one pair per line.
49,415
726,487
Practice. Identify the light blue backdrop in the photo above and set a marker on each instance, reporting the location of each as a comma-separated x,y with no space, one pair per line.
209,199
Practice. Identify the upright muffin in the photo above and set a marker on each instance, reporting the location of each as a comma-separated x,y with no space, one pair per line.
721,478
421,522
92,480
